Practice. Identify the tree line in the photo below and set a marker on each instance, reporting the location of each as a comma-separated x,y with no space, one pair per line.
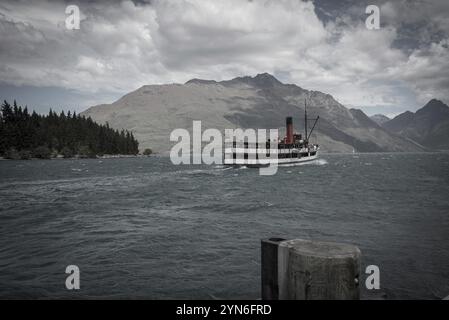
24,135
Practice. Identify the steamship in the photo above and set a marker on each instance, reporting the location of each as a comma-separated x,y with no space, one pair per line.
293,148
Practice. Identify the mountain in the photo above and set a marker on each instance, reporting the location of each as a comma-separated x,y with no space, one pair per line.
379,119
429,126
153,111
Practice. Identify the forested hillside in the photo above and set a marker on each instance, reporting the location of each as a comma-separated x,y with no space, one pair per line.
24,135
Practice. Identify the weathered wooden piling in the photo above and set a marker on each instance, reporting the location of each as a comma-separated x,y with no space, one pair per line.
309,270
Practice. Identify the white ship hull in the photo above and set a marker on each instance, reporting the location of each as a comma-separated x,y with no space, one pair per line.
270,161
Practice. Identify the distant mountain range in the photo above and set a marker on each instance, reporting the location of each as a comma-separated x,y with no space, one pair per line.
429,126
153,111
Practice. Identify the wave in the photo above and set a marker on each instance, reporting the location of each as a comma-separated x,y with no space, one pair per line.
317,162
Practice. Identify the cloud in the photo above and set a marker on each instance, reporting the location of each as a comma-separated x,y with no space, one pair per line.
123,45
427,71
109,52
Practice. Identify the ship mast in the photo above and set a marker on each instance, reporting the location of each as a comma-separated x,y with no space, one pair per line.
305,121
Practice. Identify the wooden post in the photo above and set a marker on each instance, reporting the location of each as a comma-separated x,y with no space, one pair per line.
270,288
309,270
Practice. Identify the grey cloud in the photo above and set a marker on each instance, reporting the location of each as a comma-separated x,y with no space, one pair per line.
318,45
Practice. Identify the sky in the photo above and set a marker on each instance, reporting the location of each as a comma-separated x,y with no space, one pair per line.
318,45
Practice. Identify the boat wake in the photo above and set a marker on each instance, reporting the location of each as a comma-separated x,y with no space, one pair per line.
222,168
208,171
317,162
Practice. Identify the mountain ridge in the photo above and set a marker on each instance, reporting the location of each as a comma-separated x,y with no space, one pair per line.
262,101
380,118
428,126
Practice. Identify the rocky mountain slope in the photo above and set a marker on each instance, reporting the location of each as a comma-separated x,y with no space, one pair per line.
153,111
429,126
380,119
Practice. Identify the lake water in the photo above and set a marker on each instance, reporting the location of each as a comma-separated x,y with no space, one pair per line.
144,228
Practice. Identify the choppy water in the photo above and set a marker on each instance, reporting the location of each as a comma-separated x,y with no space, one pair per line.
143,228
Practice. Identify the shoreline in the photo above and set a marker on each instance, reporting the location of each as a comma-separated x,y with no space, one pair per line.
59,157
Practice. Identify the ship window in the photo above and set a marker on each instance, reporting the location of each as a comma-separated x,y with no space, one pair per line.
234,156
234,144
245,156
